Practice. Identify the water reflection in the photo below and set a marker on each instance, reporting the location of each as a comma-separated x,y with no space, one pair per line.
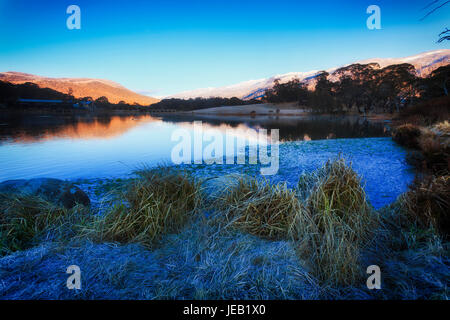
77,147
29,128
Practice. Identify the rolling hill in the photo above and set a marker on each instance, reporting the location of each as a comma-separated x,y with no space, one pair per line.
81,87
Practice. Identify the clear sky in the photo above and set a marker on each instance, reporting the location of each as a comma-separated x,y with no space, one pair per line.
164,47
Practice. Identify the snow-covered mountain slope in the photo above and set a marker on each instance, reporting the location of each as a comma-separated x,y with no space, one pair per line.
424,64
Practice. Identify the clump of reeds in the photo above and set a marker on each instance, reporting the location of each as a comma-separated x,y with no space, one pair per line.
429,142
158,202
25,219
432,142
428,203
436,151
339,223
339,195
407,135
328,218
260,208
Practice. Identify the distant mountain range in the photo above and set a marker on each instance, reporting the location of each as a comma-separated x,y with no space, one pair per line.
82,87
424,64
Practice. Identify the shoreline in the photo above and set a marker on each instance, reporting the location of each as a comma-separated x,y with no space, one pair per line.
255,110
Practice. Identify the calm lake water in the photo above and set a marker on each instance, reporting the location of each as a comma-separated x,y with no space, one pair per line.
79,147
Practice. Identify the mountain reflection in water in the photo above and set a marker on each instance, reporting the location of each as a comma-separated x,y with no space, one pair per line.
33,128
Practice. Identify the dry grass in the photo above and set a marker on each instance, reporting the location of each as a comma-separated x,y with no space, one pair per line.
160,201
326,222
260,208
412,255
433,143
429,142
436,151
339,196
24,219
328,218
338,225
443,127
428,203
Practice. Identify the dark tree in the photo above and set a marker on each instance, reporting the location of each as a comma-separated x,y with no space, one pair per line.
199,103
292,91
437,84
102,100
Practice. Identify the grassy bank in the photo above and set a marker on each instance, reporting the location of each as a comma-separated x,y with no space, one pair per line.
425,129
165,234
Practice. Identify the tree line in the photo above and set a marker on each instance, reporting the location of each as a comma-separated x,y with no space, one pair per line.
199,103
363,88
10,94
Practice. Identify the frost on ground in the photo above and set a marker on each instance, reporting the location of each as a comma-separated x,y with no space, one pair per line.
209,259
207,262
200,263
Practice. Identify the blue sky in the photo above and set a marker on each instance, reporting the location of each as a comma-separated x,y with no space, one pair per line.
164,47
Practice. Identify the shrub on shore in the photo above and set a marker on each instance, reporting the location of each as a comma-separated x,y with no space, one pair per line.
432,142
26,218
158,202
427,203
407,135
260,208
436,151
432,139
338,226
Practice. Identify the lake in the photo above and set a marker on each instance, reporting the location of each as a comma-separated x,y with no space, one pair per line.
84,147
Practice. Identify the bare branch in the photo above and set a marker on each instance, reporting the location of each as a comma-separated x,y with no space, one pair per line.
445,35
430,4
436,8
